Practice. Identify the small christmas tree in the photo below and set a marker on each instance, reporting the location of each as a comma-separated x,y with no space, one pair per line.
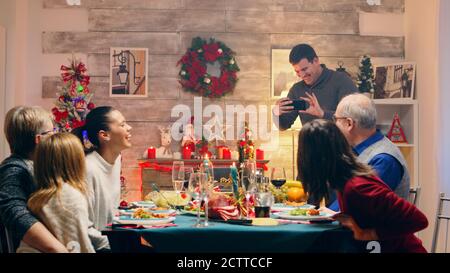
73,103
365,75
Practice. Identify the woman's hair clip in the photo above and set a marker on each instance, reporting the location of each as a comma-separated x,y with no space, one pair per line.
86,143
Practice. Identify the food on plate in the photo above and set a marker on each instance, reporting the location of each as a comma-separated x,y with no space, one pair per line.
304,212
143,214
225,213
294,203
293,184
166,199
296,194
221,206
192,206
279,194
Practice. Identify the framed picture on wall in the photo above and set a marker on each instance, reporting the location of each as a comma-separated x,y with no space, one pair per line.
128,72
393,81
283,75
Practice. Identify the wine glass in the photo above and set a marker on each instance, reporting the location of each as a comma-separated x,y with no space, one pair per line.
194,189
278,177
178,178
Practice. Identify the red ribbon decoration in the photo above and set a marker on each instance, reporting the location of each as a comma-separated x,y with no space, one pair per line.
155,166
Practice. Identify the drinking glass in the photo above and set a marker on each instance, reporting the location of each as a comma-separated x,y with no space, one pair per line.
205,187
178,178
278,176
194,189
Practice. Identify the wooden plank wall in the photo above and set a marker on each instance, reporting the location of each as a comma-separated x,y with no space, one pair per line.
250,27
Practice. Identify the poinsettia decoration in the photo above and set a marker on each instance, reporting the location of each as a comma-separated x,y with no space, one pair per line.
194,76
73,103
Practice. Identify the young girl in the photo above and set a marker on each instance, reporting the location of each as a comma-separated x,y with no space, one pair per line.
60,199
108,132
369,207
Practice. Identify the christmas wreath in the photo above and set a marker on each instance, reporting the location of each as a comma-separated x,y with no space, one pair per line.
194,76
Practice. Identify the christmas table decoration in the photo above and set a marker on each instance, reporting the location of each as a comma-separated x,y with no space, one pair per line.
396,133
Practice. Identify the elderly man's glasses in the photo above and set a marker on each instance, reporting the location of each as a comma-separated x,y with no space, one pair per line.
335,118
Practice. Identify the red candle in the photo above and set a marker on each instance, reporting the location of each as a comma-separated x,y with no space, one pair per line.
151,153
259,154
226,153
187,152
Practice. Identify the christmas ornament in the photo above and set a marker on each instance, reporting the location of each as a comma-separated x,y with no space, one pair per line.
396,132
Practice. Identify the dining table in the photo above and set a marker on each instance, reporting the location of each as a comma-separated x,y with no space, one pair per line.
223,237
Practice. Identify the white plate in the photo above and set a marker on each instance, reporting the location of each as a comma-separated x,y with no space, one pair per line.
131,211
144,204
147,222
284,207
286,215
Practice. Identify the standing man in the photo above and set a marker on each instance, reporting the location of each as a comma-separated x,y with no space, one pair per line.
356,117
321,87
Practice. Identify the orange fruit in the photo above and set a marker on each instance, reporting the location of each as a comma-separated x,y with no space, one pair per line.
295,194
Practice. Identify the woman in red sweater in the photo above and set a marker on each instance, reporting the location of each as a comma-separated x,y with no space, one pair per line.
368,206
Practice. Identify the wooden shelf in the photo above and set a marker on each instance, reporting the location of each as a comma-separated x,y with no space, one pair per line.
216,162
395,101
405,145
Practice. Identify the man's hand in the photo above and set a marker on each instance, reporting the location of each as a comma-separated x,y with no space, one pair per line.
314,106
358,233
282,108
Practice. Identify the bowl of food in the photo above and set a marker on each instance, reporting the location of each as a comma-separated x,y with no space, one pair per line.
168,199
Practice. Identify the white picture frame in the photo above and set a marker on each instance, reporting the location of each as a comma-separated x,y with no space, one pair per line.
395,80
128,72
283,76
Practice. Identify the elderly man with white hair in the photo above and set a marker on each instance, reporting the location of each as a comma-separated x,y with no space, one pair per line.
356,117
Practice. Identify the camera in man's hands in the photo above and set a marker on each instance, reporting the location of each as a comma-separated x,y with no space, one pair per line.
299,105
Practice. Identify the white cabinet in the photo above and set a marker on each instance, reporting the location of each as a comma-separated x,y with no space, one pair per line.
407,111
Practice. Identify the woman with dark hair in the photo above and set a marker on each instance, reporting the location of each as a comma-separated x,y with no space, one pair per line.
368,206
108,134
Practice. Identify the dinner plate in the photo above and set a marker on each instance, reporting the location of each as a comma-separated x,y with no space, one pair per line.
284,207
131,211
286,215
148,222
144,204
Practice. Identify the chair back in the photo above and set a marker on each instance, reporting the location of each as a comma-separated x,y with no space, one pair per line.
441,215
414,194
6,243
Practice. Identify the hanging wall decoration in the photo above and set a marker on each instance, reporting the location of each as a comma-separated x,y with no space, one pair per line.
208,69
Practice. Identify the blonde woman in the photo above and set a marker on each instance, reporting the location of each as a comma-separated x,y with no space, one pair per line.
25,126
60,201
